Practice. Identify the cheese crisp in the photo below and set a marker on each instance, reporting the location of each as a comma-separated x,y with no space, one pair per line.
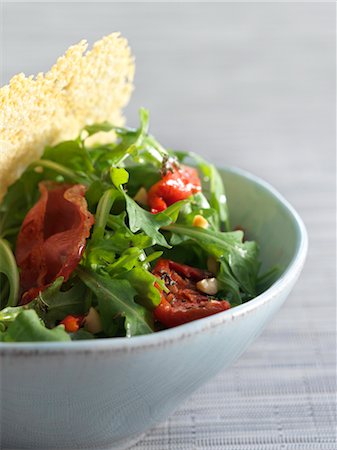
80,89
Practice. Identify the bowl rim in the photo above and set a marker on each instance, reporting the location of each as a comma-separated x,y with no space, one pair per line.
192,328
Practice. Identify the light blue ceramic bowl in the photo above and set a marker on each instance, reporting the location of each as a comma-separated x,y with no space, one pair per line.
107,393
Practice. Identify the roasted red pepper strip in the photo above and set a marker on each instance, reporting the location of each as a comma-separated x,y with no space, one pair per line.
72,323
183,303
177,184
189,272
52,237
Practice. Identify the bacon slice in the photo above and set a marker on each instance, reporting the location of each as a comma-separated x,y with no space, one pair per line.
52,237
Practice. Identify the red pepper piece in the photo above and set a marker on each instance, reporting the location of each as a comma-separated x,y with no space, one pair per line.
176,185
72,323
183,303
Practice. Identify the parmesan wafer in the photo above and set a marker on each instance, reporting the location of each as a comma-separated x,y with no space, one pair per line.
80,89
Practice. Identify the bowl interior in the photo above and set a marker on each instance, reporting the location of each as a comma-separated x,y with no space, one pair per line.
265,216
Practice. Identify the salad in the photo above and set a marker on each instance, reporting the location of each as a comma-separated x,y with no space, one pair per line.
118,239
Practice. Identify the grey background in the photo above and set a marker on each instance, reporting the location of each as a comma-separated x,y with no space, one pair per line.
249,85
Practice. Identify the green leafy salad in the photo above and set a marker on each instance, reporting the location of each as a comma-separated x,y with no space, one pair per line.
118,239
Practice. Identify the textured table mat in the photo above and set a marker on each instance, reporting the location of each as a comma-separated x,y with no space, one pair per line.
249,85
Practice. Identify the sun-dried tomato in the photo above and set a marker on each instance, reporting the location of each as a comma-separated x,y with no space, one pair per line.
184,303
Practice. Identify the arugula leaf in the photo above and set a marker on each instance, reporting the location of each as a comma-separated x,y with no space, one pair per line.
265,280
217,197
81,334
239,263
122,237
104,245
144,283
63,171
9,268
129,143
198,205
135,144
53,305
140,219
127,260
4,290
99,254
102,213
174,210
9,314
20,197
244,265
103,252
27,327
119,176
132,139
98,127
116,299
214,187
217,243
71,154
228,283
141,176
151,256
94,193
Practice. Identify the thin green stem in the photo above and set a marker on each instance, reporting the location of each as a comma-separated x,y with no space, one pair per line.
68,173
9,268
103,210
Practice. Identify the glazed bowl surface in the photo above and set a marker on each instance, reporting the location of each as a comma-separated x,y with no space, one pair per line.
106,393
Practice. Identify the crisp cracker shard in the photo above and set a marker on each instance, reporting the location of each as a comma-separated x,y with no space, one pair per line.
80,89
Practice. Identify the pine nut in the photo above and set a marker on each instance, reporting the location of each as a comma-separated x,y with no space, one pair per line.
92,322
208,286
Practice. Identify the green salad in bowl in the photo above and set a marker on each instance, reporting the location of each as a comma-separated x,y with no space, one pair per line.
118,239
129,272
